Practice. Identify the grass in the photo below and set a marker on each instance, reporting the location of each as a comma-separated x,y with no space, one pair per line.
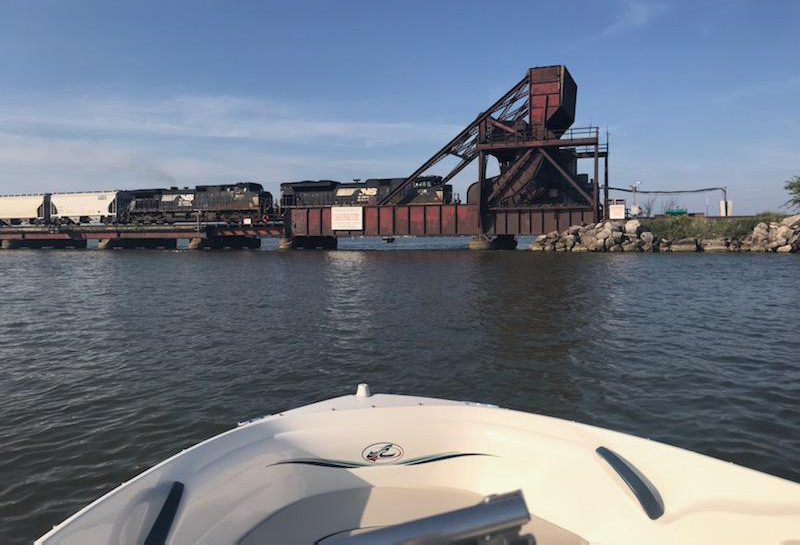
685,226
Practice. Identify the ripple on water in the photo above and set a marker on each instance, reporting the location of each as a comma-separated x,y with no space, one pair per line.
137,355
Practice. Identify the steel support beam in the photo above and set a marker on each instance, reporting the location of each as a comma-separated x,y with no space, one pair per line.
460,138
566,176
552,143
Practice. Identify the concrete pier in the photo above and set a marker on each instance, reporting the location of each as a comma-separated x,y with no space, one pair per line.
137,243
499,242
309,243
219,243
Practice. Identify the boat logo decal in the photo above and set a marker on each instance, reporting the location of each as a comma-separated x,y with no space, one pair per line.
380,453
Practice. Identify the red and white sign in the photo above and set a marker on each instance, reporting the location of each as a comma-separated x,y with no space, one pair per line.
347,218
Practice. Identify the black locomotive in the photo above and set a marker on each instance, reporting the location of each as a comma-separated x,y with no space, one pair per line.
423,190
243,203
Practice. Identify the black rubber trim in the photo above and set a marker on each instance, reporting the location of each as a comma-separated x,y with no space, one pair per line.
642,488
161,527
320,463
442,457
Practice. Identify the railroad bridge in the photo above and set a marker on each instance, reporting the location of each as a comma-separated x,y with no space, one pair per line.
528,131
139,236
538,189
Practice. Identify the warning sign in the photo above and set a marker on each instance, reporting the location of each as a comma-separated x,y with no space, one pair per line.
347,218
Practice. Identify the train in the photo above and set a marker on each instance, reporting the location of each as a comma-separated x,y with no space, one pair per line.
239,203
423,190
244,203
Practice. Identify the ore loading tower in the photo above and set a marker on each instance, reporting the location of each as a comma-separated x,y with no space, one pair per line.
538,189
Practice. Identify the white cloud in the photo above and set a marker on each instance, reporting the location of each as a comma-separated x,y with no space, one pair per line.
92,143
212,117
33,163
637,13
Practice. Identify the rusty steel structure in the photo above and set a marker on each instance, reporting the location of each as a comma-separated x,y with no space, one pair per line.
538,189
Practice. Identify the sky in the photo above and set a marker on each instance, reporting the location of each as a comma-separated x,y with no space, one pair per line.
119,94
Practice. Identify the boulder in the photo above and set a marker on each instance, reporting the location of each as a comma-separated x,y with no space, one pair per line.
648,247
761,232
784,249
579,248
616,236
633,227
792,221
534,247
647,237
615,248
629,246
573,229
608,243
784,232
569,241
593,245
684,245
715,245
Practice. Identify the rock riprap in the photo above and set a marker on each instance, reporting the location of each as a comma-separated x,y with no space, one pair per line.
781,237
631,236
606,236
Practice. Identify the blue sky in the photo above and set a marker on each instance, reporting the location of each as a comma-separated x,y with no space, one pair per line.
108,94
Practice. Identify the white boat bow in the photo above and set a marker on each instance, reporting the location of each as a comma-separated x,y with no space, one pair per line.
399,469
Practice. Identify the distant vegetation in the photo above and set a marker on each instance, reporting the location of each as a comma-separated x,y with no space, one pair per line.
686,226
793,187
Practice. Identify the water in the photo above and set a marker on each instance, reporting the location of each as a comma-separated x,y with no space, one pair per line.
111,361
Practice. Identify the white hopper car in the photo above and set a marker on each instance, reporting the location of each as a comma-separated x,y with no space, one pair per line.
27,208
83,206
75,207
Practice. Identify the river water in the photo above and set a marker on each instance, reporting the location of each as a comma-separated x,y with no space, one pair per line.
111,361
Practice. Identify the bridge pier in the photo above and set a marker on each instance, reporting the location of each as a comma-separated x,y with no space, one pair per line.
499,242
137,243
56,243
308,243
219,243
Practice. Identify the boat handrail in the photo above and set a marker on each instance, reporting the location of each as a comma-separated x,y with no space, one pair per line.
496,514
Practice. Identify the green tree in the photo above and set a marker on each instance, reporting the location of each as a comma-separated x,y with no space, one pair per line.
793,187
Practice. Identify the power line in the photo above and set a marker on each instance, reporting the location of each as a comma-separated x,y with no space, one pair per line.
724,190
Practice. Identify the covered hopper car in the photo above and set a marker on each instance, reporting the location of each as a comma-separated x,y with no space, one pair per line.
22,209
231,203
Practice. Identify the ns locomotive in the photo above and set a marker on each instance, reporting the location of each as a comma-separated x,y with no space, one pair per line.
242,203
424,190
